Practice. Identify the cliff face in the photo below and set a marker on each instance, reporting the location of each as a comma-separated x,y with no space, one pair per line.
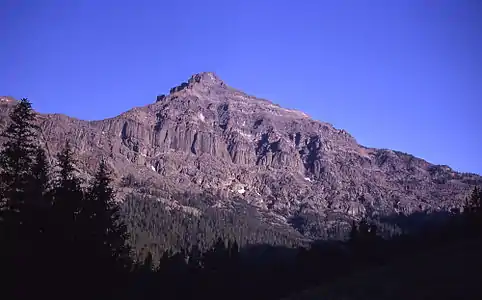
205,135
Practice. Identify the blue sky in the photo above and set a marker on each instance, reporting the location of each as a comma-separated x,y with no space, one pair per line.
399,74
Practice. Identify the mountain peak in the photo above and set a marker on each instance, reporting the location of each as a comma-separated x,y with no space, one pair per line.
203,79
206,78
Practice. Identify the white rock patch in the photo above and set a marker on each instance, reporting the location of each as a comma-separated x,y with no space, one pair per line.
244,134
201,117
241,190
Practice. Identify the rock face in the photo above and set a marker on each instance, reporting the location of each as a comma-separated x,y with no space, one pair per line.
205,135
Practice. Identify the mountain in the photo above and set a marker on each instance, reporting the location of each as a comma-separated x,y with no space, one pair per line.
293,172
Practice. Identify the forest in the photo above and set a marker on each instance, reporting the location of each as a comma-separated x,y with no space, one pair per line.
63,238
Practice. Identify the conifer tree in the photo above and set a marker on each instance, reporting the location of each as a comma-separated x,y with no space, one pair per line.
16,161
67,235
107,231
473,211
106,248
67,193
473,204
40,173
39,192
19,207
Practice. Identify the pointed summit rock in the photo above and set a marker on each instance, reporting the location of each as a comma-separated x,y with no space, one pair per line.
204,80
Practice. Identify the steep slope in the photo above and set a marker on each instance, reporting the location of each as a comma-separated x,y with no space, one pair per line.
296,171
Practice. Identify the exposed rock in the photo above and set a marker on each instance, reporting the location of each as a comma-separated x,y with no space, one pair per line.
206,135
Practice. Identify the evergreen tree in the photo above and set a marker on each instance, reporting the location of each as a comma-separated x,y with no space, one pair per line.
106,235
16,161
68,196
39,190
473,211
40,173
18,229
38,217
107,231
67,235
473,204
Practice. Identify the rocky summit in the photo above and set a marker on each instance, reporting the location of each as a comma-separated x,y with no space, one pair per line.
207,137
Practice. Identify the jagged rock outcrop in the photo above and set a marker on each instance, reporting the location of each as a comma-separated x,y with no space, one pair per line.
205,135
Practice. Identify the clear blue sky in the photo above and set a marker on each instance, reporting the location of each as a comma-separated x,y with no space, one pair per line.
399,74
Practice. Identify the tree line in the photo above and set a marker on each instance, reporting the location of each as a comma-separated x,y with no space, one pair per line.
65,238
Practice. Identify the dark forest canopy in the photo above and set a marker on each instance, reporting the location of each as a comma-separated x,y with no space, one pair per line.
62,238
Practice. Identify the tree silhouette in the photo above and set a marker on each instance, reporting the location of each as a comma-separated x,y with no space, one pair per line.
473,210
106,235
18,205
67,235
16,161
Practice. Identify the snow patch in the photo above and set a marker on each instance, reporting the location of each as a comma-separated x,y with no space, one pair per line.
153,169
308,179
202,117
246,135
241,190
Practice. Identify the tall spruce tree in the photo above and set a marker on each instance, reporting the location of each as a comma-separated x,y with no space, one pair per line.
40,173
473,204
67,235
107,237
473,211
16,162
68,196
38,190
20,214
106,229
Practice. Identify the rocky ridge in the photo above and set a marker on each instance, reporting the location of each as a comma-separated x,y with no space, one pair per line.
205,136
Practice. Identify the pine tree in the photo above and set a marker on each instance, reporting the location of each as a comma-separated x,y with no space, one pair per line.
473,211
20,214
39,192
67,235
106,247
68,196
40,173
106,229
16,161
473,204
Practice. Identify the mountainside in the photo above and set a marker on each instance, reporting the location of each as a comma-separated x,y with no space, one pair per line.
206,137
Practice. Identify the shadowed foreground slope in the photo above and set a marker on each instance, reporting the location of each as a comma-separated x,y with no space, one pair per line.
452,272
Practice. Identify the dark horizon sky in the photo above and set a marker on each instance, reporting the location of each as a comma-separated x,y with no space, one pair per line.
401,74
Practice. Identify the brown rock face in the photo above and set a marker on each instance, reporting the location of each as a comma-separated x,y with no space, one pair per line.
206,135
